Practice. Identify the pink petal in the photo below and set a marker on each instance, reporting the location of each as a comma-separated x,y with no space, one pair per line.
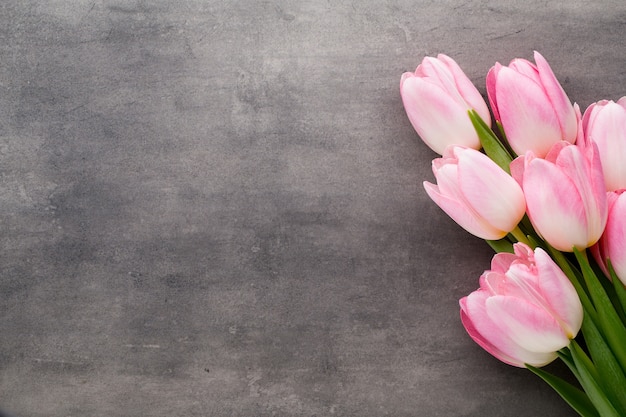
489,336
466,88
526,113
404,77
447,178
491,89
598,253
614,240
608,131
518,282
526,68
438,73
460,213
527,324
517,167
554,206
585,171
559,293
600,250
560,102
524,252
468,323
502,261
490,190
491,282
555,150
437,118
591,113
580,134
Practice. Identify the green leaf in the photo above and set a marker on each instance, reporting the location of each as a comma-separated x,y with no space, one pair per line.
588,380
619,289
566,356
609,287
612,378
505,140
501,130
502,245
529,231
576,398
490,142
608,321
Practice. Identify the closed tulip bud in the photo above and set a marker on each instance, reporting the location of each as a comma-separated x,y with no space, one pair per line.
437,98
531,105
612,244
476,193
525,310
565,196
604,123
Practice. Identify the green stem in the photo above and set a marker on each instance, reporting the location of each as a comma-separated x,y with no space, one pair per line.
589,381
521,236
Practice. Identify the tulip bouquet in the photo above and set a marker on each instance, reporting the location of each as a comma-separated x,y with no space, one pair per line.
548,193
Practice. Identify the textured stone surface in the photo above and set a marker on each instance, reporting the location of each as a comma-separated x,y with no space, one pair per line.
214,208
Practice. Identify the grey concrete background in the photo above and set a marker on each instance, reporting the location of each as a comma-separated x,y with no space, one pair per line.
214,208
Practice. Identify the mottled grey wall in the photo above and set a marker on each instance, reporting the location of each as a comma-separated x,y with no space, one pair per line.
214,208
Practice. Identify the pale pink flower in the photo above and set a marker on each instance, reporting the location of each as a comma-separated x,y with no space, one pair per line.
604,123
437,98
476,193
525,310
531,105
565,196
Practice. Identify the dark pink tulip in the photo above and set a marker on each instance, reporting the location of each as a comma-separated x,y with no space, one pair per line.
530,103
612,244
525,310
604,123
437,97
565,196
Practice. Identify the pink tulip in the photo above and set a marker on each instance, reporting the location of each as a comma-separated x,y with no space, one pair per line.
531,105
565,196
612,244
525,310
437,98
604,123
478,195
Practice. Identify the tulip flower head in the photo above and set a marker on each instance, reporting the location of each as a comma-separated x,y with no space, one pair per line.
476,193
531,105
565,196
604,123
437,98
525,310
612,244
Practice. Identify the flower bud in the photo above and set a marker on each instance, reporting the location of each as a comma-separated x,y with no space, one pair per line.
531,105
565,196
479,195
437,98
604,123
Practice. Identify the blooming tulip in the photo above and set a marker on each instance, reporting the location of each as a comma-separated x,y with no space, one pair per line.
604,123
531,105
565,196
612,244
525,310
479,195
437,98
